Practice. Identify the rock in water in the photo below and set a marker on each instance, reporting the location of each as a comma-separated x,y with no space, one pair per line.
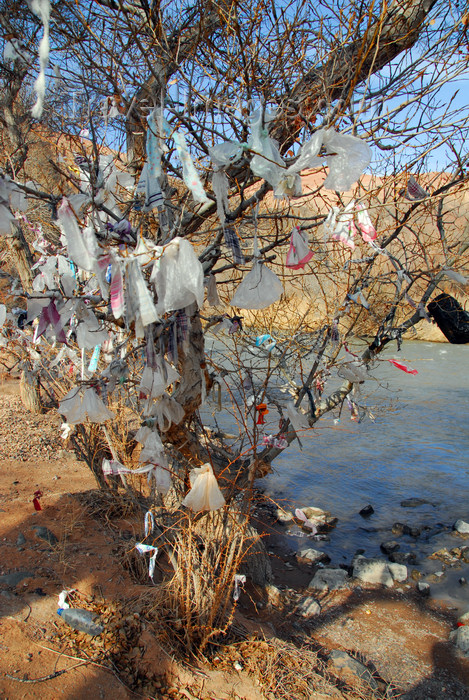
398,572
413,502
423,588
412,531
403,557
398,529
462,527
389,547
313,555
372,571
366,511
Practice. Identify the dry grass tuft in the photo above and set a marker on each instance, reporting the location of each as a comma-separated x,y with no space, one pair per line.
109,505
283,671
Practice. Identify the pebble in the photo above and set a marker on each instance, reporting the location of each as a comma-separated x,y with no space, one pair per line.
366,511
423,588
412,531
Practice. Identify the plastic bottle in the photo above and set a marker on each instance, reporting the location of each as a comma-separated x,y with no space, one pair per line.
81,620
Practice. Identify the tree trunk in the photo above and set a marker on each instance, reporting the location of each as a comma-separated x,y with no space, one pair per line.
21,256
29,391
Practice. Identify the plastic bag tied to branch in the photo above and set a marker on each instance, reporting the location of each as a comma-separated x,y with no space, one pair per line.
205,493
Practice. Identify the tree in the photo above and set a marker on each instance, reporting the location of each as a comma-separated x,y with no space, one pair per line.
229,116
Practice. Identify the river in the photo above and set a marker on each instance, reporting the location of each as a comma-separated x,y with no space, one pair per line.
416,447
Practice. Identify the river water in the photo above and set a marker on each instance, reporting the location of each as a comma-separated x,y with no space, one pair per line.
417,447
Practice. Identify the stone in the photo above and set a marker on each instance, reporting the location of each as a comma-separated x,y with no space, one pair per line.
20,540
389,547
321,518
372,570
412,531
462,581
423,588
340,659
45,534
398,572
462,527
465,554
284,516
460,638
415,574
398,529
442,554
308,607
15,578
464,619
274,595
366,511
313,555
329,579
413,502
403,558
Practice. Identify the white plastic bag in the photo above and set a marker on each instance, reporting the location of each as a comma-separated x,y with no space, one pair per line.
167,411
77,249
351,157
298,421
260,288
89,333
290,180
212,291
205,493
225,153
77,408
299,253
153,450
220,190
354,372
189,173
267,162
179,277
154,381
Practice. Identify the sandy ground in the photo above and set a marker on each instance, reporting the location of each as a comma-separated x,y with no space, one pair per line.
403,636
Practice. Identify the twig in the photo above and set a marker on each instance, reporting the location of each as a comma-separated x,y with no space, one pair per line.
89,661
50,677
